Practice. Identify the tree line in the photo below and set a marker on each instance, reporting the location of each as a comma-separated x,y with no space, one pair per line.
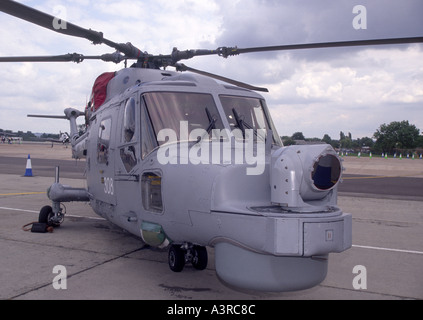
395,137
28,136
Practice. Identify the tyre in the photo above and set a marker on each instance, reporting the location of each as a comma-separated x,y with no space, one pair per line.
176,258
46,213
200,258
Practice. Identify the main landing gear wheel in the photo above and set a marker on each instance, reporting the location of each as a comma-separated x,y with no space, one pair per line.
176,258
180,254
199,259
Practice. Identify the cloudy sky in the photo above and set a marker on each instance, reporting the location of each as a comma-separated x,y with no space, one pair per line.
317,92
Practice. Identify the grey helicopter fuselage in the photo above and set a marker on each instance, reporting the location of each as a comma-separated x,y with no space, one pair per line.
182,159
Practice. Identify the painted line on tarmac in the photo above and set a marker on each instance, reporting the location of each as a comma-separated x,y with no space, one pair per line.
21,193
23,210
387,249
66,215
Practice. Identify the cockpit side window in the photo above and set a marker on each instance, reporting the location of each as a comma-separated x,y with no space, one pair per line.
129,121
104,132
128,149
245,113
148,137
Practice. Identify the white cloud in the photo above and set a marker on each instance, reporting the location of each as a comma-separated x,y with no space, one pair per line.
313,91
370,88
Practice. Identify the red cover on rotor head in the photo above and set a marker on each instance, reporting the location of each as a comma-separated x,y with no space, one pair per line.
99,91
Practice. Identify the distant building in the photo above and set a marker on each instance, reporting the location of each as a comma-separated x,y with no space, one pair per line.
305,142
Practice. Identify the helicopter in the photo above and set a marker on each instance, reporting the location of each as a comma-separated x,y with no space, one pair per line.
187,161
63,139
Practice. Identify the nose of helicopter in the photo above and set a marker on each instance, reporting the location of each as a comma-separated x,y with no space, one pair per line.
294,202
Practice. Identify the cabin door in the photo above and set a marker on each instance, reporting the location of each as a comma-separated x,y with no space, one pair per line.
101,159
127,158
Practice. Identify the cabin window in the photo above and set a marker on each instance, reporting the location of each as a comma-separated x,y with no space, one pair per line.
104,141
151,188
167,110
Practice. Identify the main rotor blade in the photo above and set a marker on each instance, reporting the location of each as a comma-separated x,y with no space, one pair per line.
225,51
60,58
74,57
182,67
232,51
52,23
